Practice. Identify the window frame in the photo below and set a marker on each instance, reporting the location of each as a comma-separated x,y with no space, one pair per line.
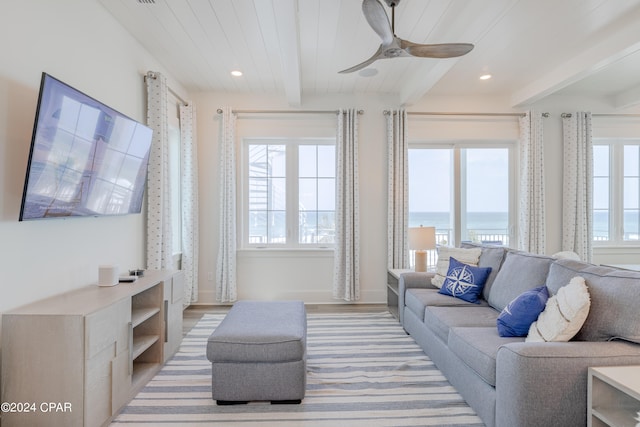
458,198
292,193
616,192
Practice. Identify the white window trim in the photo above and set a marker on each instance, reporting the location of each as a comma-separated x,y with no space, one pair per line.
292,225
616,193
456,146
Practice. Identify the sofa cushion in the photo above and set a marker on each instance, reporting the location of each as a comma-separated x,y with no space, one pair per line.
562,271
468,256
520,272
491,256
615,298
564,314
417,300
478,348
516,318
441,319
464,281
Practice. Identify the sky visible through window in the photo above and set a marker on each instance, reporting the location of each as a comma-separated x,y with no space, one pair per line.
484,195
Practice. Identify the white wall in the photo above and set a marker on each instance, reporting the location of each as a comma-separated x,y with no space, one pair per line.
78,42
289,274
264,275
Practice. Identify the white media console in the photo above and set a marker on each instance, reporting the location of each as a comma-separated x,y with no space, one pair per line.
77,358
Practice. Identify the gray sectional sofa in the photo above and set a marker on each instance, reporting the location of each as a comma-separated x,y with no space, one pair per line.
510,382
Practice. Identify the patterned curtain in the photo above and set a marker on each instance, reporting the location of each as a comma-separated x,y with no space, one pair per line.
189,193
532,207
226,289
346,276
398,201
577,185
159,244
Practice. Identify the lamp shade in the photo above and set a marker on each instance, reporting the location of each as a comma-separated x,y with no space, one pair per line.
422,238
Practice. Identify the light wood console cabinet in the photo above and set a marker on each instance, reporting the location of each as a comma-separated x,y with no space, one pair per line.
613,396
77,358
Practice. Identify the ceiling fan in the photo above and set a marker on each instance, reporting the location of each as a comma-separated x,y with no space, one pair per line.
393,46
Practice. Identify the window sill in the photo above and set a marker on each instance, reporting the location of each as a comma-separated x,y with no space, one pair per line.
614,246
285,252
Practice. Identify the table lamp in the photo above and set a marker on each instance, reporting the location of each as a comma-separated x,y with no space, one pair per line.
421,239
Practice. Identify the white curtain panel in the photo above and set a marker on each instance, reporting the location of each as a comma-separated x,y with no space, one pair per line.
189,194
159,244
532,236
226,286
397,187
346,276
577,184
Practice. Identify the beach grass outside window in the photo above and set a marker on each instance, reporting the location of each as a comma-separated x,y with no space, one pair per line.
290,193
616,192
465,191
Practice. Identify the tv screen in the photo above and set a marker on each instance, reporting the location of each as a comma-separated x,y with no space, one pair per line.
86,159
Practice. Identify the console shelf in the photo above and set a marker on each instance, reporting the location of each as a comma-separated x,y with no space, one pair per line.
142,343
613,396
94,348
139,315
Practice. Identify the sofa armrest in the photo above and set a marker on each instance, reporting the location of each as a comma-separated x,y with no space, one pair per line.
414,279
546,383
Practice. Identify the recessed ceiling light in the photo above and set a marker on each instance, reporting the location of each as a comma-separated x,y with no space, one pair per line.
485,77
236,73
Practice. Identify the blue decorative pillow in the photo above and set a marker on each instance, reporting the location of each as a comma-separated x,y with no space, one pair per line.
464,281
519,314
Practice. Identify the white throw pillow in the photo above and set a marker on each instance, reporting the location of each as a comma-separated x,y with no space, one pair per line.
464,255
563,315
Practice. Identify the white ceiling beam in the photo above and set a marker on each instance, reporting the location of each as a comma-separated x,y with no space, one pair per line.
627,99
623,41
460,22
279,24
423,79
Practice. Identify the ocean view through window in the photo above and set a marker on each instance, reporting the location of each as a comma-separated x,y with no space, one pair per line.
616,192
488,227
463,191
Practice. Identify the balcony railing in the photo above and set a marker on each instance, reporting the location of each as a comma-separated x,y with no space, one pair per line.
487,236
445,238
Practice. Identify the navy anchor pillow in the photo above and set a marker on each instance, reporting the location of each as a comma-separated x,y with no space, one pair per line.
516,318
464,281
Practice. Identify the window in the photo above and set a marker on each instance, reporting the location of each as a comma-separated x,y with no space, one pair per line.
616,192
290,193
464,190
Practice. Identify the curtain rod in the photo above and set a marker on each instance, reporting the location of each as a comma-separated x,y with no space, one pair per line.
178,97
429,113
567,115
286,111
173,92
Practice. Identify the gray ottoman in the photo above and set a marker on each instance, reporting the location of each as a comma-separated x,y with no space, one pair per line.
258,352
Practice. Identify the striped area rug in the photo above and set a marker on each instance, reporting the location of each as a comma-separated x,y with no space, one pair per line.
363,370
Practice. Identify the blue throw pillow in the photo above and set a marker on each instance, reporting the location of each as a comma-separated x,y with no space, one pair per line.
464,281
519,314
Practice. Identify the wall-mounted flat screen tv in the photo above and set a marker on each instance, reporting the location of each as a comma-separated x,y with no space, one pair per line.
86,159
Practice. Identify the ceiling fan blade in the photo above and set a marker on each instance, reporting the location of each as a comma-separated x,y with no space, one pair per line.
375,57
377,18
445,50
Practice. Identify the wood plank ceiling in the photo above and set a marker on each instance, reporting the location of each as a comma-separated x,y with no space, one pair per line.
295,48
